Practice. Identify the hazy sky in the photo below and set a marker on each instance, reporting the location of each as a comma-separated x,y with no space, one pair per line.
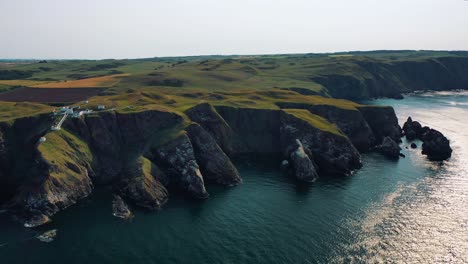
148,28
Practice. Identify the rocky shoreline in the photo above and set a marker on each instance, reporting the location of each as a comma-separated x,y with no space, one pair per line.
143,155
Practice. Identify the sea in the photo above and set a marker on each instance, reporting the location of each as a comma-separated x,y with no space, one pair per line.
407,211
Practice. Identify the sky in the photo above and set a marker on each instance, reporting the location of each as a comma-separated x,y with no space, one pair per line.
98,29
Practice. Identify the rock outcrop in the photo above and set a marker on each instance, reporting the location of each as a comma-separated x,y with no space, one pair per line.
214,163
60,178
142,185
205,115
413,129
331,150
303,167
435,145
177,159
120,208
389,148
350,121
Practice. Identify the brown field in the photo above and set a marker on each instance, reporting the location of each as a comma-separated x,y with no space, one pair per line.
22,82
96,82
49,95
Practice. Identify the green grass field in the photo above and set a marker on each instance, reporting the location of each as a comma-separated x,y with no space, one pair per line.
261,81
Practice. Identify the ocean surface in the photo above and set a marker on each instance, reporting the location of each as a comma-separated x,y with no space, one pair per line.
410,210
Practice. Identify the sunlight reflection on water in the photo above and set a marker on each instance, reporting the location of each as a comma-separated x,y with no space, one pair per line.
425,222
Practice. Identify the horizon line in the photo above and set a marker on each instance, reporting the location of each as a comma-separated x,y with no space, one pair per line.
233,55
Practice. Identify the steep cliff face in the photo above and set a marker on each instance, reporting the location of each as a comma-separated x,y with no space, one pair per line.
214,163
18,138
144,154
205,115
390,79
383,122
114,137
142,184
177,159
350,121
331,150
258,129
58,178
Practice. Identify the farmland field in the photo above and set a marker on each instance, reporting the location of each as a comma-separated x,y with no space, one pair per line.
49,95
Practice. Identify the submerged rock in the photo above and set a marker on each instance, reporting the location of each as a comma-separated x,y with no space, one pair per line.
436,146
214,163
304,169
389,148
48,236
284,165
35,220
120,208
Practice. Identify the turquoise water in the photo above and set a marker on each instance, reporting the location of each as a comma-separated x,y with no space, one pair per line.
406,210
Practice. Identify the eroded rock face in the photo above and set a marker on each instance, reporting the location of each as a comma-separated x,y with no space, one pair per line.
120,209
351,122
177,159
436,146
303,167
332,153
113,136
257,128
413,129
142,185
214,163
389,148
53,186
205,115
383,122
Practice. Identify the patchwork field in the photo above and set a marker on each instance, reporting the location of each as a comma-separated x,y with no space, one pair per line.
49,95
96,82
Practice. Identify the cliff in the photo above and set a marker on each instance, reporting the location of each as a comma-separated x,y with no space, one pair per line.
372,78
146,154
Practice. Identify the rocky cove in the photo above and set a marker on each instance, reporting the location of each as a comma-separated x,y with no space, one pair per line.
146,155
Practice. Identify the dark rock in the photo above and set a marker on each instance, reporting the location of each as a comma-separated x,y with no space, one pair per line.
389,148
258,129
333,153
142,185
214,163
436,146
383,122
35,220
412,129
48,236
205,115
402,155
177,159
120,208
304,168
413,145
350,121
